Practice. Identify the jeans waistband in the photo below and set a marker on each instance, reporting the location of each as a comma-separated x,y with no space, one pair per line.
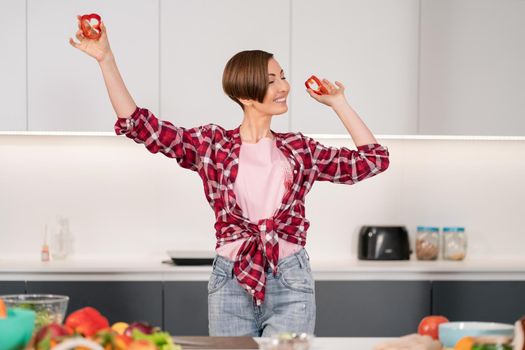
300,258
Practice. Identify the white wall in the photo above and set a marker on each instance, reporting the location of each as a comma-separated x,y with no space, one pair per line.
122,200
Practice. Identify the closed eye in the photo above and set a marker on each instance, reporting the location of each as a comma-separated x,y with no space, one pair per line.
271,82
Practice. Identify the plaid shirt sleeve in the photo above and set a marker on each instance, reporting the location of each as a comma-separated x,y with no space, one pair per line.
346,166
162,136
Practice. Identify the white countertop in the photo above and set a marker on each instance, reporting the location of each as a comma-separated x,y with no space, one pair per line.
344,343
149,268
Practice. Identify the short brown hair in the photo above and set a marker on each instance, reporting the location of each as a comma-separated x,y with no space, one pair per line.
246,76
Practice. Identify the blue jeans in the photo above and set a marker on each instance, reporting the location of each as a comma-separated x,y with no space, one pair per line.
289,304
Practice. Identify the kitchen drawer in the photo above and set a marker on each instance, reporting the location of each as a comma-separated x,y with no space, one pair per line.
370,308
12,287
494,301
186,307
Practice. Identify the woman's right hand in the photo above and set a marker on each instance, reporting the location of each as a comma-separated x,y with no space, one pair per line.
98,49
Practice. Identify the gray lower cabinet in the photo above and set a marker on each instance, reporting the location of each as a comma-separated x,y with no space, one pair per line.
12,287
370,308
119,301
186,307
344,308
355,308
497,301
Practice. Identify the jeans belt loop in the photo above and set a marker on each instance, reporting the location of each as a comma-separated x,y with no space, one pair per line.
300,259
306,254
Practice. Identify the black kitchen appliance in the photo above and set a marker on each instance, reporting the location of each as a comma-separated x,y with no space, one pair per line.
383,243
191,257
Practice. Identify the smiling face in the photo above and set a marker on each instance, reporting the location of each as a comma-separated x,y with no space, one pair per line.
275,99
256,81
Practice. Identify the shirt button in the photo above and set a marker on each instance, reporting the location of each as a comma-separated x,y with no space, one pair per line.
295,171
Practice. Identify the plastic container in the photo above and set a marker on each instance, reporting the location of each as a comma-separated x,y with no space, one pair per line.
16,329
427,243
454,243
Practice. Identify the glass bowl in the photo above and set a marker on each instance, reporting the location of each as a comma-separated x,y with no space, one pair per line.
287,341
49,308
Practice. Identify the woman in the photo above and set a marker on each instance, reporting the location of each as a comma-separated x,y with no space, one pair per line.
256,181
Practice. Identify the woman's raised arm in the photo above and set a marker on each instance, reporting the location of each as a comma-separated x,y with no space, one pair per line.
121,100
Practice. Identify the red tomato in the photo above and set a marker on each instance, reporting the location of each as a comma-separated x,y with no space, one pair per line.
429,326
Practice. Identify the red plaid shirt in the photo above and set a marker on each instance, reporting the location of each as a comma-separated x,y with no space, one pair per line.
213,153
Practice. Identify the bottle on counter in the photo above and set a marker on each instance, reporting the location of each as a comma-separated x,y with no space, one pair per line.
454,243
427,243
44,253
61,243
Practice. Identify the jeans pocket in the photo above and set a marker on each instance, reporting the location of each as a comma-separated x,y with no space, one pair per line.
298,279
216,282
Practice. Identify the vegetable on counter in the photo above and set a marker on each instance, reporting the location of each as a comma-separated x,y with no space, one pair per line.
429,326
89,324
162,340
50,335
140,326
3,309
86,321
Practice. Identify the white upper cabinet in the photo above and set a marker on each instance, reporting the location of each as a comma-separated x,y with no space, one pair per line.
472,67
13,66
371,47
441,67
198,37
66,91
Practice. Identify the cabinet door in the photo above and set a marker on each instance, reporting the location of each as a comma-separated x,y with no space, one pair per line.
13,66
369,46
119,301
472,71
198,37
186,307
66,91
370,308
494,301
12,287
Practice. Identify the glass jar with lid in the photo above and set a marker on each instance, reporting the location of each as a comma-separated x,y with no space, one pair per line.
427,243
454,243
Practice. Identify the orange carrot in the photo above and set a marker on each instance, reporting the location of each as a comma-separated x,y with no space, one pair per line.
3,309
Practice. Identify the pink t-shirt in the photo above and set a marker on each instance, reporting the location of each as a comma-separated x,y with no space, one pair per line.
262,180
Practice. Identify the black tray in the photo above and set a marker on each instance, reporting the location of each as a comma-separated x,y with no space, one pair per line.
192,261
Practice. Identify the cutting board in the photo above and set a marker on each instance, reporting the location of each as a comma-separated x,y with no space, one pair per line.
217,343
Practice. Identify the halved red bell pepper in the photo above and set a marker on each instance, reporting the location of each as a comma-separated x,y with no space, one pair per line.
315,84
86,321
91,31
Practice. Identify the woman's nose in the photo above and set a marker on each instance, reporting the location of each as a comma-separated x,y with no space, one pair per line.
284,86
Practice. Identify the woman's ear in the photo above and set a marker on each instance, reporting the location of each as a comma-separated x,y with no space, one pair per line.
246,102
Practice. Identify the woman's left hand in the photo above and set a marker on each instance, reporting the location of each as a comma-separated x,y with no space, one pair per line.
336,94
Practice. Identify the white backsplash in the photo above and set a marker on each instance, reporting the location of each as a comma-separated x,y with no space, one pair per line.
122,200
